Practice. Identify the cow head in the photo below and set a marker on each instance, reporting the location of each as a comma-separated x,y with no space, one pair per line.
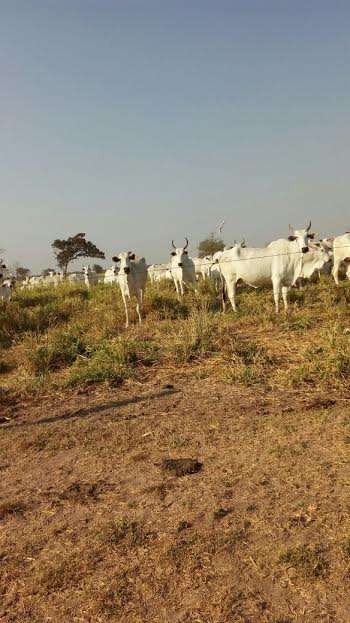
124,260
179,254
3,270
301,236
86,270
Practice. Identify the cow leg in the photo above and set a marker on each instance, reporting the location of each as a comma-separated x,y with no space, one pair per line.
285,297
231,293
223,297
276,295
126,311
139,304
335,271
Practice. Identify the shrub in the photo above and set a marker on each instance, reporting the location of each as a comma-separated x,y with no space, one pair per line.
309,561
61,349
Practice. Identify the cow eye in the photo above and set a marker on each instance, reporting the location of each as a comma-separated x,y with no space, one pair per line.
173,253
186,252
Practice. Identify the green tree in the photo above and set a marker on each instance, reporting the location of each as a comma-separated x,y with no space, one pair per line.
210,245
22,273
73,248
98,269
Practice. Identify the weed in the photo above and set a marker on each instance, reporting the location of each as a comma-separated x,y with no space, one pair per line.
62,349
309,561
346,548
117,596
129,532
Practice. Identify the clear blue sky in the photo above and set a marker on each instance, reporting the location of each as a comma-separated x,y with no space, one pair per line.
138,121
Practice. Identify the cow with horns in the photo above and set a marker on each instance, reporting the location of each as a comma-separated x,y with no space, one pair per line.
281,263
182,268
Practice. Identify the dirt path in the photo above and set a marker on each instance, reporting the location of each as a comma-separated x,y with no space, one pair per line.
95,528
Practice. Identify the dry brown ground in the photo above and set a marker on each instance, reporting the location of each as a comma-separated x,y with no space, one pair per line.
93,528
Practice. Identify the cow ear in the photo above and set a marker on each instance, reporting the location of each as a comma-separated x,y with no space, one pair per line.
131,255
173,253
116,259
292,238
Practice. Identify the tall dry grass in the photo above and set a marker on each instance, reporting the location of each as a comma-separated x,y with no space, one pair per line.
70,336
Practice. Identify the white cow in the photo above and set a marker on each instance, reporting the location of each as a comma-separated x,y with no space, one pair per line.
90,278
317,260
182,268
52,279
280,262
159,272
202,266
341,254
7,287
3,271
111,275
35,281
76,278
132,278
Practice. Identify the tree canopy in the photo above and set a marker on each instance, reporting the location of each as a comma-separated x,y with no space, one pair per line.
22,273
210,245
73,248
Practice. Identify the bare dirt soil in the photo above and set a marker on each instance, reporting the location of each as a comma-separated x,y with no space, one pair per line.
101,521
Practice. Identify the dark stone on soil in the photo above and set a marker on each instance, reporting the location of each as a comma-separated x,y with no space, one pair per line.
184,525
222,512
182,467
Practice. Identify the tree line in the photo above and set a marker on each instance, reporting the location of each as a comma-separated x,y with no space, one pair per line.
77,247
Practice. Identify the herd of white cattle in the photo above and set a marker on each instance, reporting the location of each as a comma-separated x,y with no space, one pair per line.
283,263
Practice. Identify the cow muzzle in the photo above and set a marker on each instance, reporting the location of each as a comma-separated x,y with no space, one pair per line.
127,270
305,249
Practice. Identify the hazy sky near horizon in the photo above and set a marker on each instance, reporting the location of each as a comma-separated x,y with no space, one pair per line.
139,121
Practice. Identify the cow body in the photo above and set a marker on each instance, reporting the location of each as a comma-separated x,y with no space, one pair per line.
202,266
159,272
132,279
341,255
111,275
36,281
7,287
280,263
76,278
316,261
52,279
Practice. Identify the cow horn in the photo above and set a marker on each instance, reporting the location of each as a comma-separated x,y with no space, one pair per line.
173,245
309,226
186,245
